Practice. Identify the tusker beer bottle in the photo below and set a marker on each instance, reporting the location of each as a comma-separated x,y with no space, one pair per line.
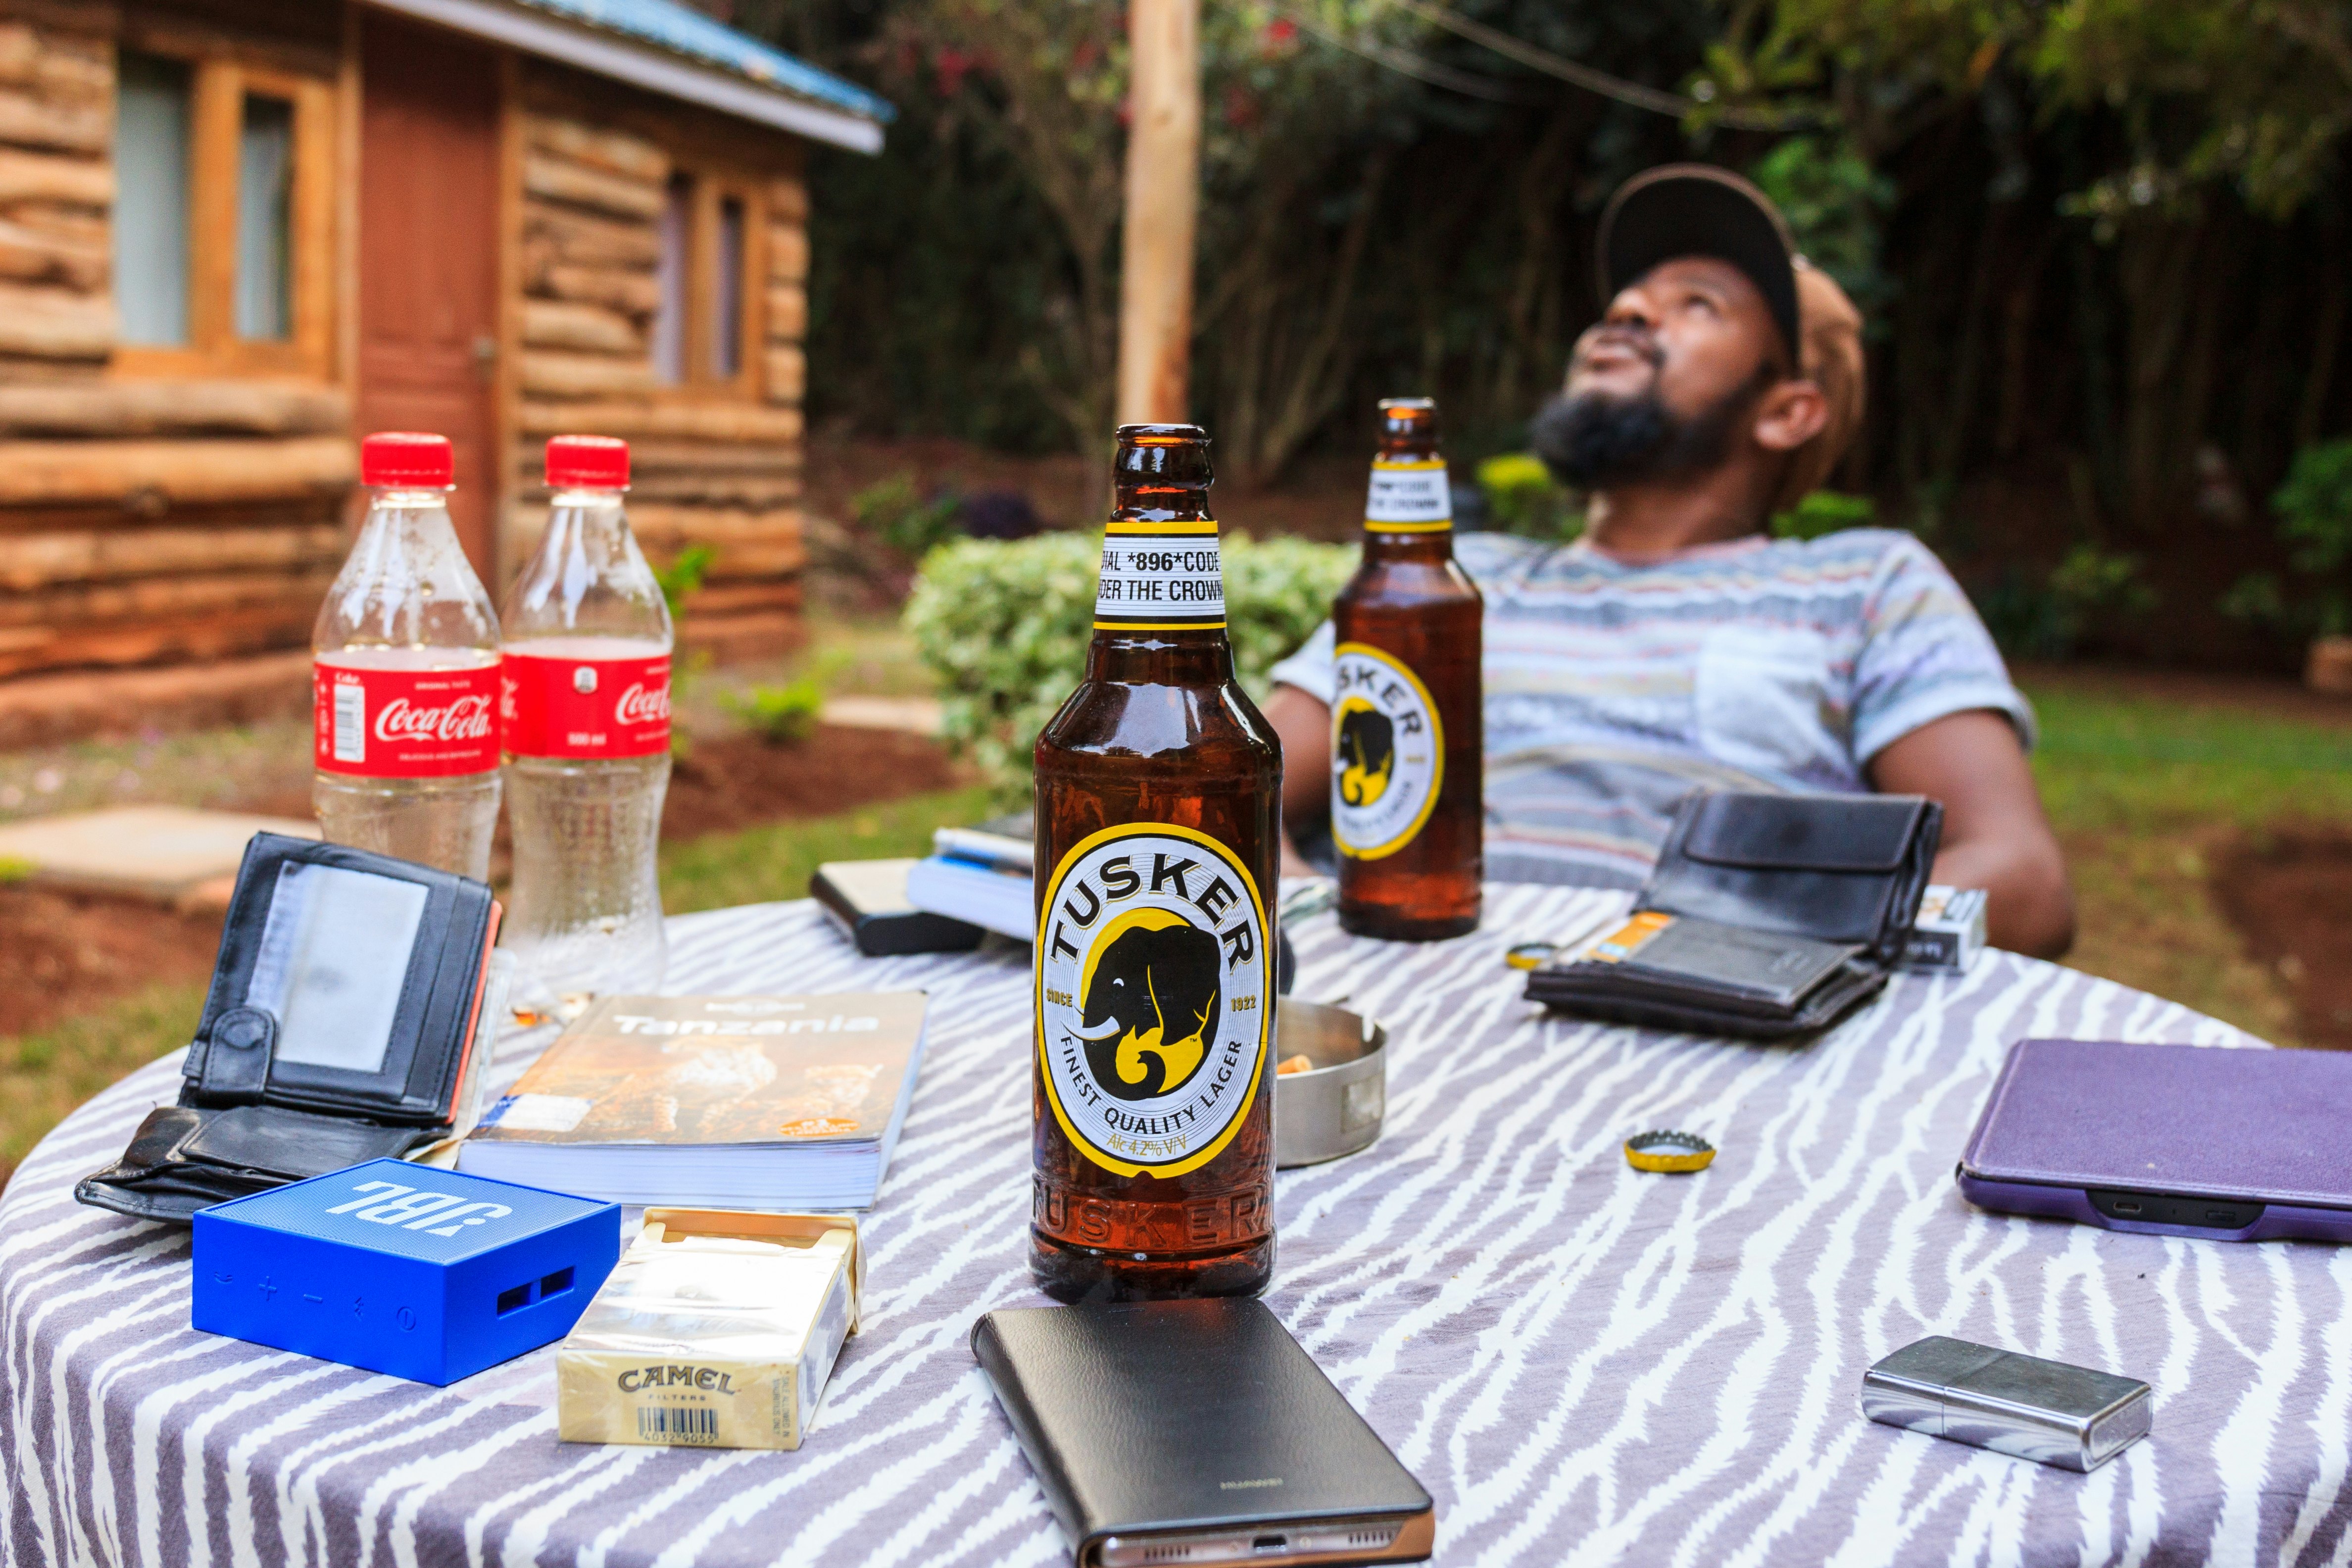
1158,799
1406,745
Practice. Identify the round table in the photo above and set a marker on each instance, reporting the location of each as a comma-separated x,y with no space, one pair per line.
1581,1363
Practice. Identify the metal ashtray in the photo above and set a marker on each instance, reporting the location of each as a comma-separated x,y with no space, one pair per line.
1335,1107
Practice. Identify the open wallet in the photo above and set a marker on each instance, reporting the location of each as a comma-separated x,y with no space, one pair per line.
343,1025
1767,915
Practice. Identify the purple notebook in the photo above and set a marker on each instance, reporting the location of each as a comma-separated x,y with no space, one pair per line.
2228,1143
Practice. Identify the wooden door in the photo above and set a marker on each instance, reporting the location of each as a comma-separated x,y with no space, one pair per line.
429,255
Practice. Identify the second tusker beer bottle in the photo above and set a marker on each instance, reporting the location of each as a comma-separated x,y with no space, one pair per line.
1406,744
1158,799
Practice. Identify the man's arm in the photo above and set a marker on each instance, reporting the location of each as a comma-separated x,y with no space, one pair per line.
1995,835
1304,725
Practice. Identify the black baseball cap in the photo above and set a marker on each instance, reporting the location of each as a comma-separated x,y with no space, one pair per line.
1698,209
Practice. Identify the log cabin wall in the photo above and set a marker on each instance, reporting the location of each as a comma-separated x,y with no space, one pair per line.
173,509
664,262
145,521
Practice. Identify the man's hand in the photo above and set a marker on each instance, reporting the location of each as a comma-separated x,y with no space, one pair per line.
1305,726
1995,835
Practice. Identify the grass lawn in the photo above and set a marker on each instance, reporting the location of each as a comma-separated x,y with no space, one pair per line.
2149,795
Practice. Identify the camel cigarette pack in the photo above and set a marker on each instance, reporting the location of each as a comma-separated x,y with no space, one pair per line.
717,1330
1949,931
771,1102
396,1268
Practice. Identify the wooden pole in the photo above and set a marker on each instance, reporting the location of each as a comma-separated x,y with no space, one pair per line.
1163,189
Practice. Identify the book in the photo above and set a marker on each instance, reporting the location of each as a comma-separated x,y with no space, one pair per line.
1010,841
791,1102
1001,898
867,898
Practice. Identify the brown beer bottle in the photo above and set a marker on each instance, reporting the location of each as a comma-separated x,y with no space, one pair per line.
1158,802
1407,747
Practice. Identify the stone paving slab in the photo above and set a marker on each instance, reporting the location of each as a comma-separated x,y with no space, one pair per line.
167,853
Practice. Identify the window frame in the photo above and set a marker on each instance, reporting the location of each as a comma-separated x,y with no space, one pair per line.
709,186
218,84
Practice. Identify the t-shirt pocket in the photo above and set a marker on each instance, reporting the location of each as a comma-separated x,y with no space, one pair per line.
1766,706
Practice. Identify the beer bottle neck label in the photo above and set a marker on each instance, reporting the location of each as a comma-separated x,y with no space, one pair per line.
1161,577
1388,753
1154,997
1410,495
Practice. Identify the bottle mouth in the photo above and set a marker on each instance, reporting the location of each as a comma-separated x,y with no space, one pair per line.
1170,456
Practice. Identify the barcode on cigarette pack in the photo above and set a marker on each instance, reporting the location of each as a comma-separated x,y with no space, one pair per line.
667,1424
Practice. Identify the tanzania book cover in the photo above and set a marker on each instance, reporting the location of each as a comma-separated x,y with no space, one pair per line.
713,1099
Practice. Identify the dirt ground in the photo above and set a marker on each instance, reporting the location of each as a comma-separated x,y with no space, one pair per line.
66,953
2291,900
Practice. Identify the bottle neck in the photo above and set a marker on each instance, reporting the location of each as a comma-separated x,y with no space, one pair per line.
1408,509
1159,606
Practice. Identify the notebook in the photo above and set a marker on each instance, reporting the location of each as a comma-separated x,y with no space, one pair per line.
790,1103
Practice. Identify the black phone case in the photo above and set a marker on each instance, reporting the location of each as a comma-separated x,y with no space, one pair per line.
247,1122
1162,1416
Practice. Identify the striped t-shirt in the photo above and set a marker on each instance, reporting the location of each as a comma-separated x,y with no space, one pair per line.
1614,688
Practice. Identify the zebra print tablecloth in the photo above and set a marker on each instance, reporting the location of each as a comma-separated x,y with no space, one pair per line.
1582,1363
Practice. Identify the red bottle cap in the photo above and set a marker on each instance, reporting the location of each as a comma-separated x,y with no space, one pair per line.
588,463
406,458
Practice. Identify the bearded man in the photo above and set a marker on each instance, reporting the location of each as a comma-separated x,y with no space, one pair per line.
1677,644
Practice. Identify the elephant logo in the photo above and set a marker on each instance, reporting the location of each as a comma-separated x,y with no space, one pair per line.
1148,995
1366,752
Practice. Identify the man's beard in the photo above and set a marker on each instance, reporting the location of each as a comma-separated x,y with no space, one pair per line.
1597,441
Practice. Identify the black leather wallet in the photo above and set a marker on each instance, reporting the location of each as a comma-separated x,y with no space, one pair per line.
1196,1432
1767,915
340,1027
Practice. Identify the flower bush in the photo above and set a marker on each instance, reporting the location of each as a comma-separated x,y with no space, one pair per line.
1004,627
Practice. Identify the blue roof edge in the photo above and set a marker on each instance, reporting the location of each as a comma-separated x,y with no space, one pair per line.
684,31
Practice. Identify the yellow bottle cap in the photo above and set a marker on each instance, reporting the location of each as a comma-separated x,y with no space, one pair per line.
1668,1152
1530,955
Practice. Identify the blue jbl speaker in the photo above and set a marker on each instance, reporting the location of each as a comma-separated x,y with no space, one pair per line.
396,1267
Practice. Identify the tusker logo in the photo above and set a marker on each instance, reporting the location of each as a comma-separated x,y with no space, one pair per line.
1388,753
1153,997
1150,994
1367,753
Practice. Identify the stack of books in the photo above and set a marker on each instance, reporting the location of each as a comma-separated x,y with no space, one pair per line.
983,874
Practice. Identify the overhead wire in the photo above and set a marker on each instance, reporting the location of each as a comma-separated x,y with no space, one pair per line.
1639,95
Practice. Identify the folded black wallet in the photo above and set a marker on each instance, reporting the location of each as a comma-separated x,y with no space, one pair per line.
341,1027
1767,915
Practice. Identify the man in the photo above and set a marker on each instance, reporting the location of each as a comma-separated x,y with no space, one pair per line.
1677,644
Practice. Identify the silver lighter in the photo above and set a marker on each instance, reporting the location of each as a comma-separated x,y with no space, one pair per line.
2045,1411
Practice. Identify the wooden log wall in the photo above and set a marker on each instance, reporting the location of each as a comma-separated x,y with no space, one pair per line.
141,522
715,467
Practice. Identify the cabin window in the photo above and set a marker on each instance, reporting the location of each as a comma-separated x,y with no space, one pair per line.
151,209
222,217
265,220
702,321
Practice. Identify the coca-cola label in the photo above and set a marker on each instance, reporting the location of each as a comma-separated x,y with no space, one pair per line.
586,707
404,724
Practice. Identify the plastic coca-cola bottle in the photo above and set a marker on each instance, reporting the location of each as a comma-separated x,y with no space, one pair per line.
587,740
405,674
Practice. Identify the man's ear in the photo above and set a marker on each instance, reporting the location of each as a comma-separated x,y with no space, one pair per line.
1790,413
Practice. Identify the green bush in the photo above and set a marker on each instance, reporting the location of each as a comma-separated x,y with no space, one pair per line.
781,715
1822,513
1004,627
895,511
2315,511
1523,498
